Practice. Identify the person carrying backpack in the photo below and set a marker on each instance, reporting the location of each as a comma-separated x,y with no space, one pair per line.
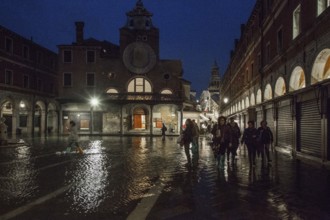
163,130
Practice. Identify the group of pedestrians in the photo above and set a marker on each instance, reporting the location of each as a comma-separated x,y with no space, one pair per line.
258,142
226,138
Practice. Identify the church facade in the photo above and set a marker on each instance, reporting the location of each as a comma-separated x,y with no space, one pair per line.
121,89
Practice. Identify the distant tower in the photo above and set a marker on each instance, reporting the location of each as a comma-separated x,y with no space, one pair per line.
214,84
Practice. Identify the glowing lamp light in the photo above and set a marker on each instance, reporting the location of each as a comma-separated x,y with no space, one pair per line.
94,101
225,100
22,105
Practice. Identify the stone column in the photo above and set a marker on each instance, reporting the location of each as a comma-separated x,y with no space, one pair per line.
15,115
29,122
121,120
150,121
43,121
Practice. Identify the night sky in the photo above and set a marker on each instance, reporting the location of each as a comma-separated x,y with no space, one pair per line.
197,32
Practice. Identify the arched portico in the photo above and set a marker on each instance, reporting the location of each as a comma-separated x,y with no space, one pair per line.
268,93
259,96
280,87
298,79
321,67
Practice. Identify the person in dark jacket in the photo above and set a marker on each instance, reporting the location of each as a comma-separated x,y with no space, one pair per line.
265,139
188,138
250,139
235,134
163,130
221,140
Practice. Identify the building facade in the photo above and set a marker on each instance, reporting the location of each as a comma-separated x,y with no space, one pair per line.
121,89
279,71
28,85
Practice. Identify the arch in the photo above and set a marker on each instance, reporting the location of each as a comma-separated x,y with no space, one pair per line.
280,87
40,117
243,104
247,102
297,80
112,91
321,67
268,93
258,96
252,99
139,85
166,91
6,111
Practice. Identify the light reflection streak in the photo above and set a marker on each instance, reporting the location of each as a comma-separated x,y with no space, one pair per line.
92,180
23,175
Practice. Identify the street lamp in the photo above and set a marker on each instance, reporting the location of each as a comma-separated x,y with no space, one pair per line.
94,102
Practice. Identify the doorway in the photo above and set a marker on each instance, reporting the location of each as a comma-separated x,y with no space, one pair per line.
139,119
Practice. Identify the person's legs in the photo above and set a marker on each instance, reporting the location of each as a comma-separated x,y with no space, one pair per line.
254,155
187,151
222,161
262,152
267,146
234,152
68,149
250,155
195,145
228,154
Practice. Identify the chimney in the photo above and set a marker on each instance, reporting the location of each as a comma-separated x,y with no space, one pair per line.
79,32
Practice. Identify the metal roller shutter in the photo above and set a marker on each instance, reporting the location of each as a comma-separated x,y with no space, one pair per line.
328,132
284,127
309,128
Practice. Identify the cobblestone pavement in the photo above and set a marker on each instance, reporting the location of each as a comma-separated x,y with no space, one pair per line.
286,189
146,178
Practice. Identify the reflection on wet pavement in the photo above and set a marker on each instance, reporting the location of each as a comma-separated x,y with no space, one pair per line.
115,174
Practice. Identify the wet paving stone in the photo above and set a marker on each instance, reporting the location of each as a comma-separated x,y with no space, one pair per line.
117,174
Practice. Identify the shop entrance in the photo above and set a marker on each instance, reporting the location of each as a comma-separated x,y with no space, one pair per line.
139,118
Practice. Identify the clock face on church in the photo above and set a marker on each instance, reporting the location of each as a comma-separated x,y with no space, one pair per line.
139,57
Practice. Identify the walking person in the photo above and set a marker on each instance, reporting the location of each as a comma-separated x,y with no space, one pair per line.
265,139
187,139
73,138
163,130
236,134
195,144
250,139
221,141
